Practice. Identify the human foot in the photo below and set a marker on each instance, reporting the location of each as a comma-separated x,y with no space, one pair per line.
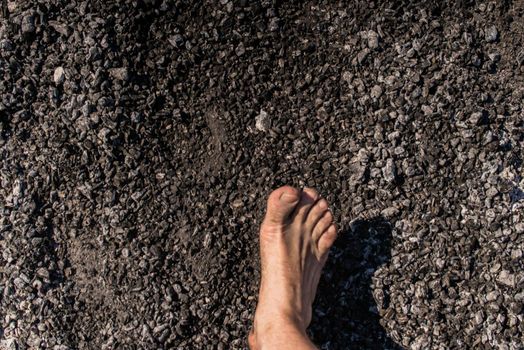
295,238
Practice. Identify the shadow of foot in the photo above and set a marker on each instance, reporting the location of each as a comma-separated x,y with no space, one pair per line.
345,312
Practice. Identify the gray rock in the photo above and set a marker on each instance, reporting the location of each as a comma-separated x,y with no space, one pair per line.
347,77
362,55
475,118
399,151
42,272
19,283
491,34
273,24
363,155
6,45
479,317
393,135
389,171
176,40
516,254
28,24
495,56
373,39
18,189
61,28
121,73
506,278
376,91
390,212
492,296
240,49
9,344
87,109
262,121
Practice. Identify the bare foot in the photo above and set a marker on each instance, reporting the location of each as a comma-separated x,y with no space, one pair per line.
295,238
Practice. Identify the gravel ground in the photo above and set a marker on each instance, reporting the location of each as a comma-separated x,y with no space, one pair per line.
139,139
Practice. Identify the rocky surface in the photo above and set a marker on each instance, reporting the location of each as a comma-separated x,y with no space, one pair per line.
139,139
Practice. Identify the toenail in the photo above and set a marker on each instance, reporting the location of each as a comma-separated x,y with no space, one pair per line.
290,198
322,204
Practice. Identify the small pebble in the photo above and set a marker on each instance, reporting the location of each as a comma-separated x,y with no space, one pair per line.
506,278
389,171
262,121
240,50
176,40
376,91
491,34
28,24
59,75
119,73
373,40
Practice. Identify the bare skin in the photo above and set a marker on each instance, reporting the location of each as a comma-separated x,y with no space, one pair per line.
295,238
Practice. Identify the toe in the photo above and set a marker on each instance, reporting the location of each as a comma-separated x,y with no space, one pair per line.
326,240
281,204
308,197
252,340
316,213
322,225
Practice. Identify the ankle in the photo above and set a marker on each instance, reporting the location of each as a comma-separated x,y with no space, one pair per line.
267,319
279,333
277,326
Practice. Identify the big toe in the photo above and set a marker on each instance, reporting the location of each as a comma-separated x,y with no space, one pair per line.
280,205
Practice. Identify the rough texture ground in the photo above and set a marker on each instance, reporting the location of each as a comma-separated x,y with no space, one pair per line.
139,139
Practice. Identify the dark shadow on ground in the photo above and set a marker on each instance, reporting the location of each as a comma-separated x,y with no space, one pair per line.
345,313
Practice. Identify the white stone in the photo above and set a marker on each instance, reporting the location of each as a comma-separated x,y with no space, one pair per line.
491,34
262,121
59,75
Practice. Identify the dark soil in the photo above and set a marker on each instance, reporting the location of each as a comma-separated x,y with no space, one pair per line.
139,140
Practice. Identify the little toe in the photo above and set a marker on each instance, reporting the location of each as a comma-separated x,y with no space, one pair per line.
281,204
308,197
316,213
322,225
326,240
